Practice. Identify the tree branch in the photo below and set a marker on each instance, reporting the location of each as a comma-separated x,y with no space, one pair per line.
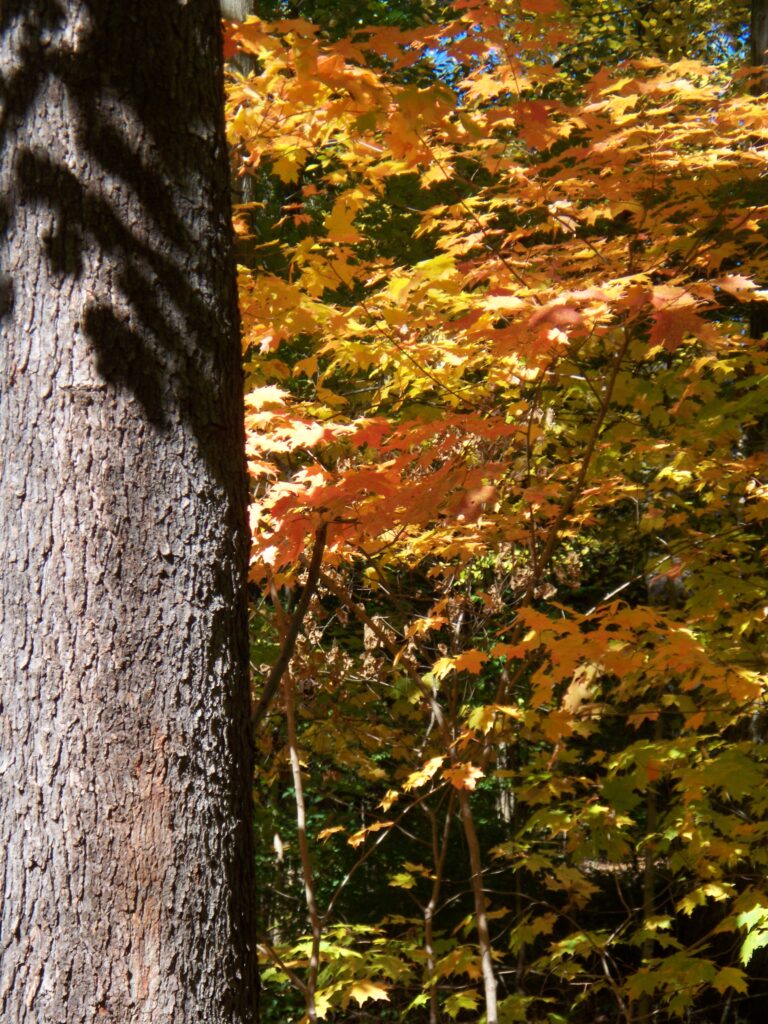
294,627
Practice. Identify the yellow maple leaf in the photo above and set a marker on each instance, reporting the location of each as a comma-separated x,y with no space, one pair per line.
340,221
364,990
326,833
423,774
322,1001
359,837
389,798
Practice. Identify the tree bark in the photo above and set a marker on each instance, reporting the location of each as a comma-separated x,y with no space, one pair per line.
125,840
481,916
758,46
758,36
236,10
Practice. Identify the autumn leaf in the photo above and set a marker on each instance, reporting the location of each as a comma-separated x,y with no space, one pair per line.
363,990
463,776
501,341
467,999
730,977
736,285
362,834
423,774
755,921
402,880
326,833
470,661
542,6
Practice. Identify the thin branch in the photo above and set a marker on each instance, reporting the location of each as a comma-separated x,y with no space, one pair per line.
481,917
306,859
439,854
553,534
397,653
374,846
294,627
275,957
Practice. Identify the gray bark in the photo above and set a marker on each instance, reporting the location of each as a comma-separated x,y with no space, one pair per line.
236,10
244,188
125,843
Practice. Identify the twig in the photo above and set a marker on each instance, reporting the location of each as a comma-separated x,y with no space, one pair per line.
481,917
397,653
292,633
306,859
439,853
291,975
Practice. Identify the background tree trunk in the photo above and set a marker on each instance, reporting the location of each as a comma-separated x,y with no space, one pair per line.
758,35
125,845
243,188
758,46
236,10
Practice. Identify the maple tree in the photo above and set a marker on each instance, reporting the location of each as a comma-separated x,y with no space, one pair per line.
502,403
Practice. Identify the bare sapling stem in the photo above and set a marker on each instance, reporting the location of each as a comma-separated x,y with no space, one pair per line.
481,918
315,923
439,852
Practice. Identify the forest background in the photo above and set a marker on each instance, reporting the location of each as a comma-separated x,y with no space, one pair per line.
503,289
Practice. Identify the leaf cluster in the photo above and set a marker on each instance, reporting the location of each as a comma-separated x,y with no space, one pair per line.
536,636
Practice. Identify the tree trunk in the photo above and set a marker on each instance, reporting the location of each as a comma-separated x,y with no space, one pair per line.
236,10
758,35
125,842
758,45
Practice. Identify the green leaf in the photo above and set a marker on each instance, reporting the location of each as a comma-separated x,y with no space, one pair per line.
730,977
756,923
466,1000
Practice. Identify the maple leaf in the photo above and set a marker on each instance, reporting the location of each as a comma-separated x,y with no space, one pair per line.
229,42
534,124
470,661
730,977
442,667
557,316
389,798
299,26
672,326
423,774
362,834
467,999
542,325
460,960
339,222
326,833
463,776
268,396
736,284
474,502
253,36
509,651
363,990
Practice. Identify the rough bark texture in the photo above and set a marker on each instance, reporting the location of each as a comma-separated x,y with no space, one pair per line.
125,843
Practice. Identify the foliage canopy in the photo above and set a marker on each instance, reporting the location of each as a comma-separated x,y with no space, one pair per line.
504,393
